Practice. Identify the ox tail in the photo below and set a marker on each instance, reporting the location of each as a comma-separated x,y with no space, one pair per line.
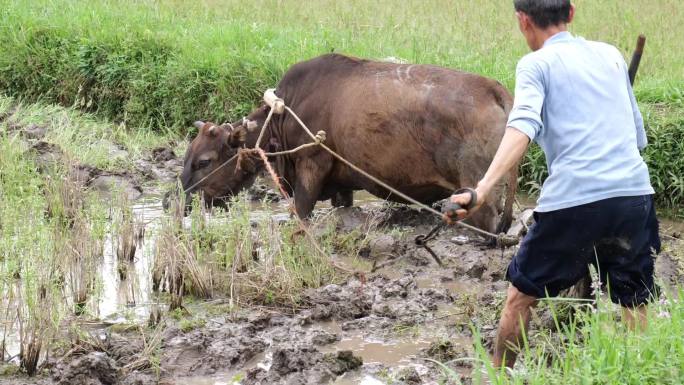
509,199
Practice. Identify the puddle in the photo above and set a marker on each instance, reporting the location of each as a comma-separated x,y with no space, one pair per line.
389,353
452,286
261,360
351,378
374,351
11,343
131,299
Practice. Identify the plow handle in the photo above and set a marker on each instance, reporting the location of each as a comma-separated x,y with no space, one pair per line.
636,58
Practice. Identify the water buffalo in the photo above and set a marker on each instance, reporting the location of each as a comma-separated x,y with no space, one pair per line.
422,129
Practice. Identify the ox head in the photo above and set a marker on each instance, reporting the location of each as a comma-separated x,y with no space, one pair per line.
205,169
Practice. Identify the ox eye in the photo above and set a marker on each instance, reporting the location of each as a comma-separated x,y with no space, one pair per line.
203,163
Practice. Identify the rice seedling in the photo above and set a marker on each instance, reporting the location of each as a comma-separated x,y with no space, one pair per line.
50,239
247,259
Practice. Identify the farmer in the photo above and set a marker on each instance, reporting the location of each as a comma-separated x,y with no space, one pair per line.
573,97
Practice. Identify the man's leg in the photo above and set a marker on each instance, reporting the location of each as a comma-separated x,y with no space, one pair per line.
515,319
553,256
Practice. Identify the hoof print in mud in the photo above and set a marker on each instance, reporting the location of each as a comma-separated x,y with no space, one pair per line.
342,362
163,154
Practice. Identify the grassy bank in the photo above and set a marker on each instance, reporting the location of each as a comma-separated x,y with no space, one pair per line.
164,64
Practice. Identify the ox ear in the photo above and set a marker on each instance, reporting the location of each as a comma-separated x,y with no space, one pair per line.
237,137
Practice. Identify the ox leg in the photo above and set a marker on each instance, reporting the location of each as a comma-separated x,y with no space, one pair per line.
311,175
343,199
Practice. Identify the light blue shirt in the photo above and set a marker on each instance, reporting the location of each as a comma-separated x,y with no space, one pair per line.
574,99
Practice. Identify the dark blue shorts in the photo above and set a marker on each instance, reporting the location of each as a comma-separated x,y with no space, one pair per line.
559,247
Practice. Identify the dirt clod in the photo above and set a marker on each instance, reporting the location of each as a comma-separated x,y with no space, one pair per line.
34,132
163,154
409,376
95,368
342,361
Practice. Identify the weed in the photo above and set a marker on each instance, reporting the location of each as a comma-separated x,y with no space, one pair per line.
186,325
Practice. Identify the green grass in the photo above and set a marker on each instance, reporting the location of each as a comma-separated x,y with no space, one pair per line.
80,136
167,63
155,66
596,348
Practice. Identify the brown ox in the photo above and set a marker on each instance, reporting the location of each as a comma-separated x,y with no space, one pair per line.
422,129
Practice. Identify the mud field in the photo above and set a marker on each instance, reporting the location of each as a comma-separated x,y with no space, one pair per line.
385,324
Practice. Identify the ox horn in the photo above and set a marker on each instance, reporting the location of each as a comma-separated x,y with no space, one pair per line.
199,124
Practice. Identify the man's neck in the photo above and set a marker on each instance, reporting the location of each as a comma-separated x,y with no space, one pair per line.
542,35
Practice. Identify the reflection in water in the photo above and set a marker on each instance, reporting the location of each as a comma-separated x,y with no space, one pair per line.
353,378
131,296
261,360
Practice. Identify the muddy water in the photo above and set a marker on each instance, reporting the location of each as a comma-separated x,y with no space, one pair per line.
261,360
375,350
130,299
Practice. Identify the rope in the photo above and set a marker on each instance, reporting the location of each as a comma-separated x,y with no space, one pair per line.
502,239
263,128
189,189
302,226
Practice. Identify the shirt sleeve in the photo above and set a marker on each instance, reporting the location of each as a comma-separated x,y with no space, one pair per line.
638,119
529,99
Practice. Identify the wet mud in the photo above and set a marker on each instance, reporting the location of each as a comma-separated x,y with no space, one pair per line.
384,325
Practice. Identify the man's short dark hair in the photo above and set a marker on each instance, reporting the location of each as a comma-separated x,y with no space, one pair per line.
545,12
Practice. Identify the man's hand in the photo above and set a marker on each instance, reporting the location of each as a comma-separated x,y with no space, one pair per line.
463,203
512,148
